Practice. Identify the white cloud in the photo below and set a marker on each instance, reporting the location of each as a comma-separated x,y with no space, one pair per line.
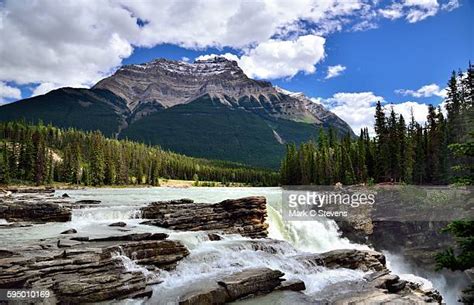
358,109
394,11
412,10
63,42
425,91
8,93
80,42
229,56
44,88
420,111
184,58
280,58
450,5
334,71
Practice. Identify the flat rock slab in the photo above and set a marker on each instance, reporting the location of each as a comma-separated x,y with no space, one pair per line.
89,272
364,260
88,201
133,237
248,282
244,216
34,211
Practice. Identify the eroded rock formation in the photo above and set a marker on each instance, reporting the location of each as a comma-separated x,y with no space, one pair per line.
245,216
34,211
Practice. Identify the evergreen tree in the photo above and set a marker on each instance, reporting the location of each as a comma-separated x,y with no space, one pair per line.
381,148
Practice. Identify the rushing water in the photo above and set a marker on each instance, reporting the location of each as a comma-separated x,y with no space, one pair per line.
208,259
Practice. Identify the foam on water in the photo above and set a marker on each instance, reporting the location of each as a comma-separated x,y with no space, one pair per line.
212,259
94,214
449,285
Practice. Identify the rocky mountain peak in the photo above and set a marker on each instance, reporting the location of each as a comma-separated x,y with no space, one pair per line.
163,83
167,83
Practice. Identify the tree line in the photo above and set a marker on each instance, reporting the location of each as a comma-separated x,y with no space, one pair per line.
45,154
440,151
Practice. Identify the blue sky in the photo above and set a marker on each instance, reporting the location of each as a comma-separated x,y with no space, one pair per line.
399,51
396,55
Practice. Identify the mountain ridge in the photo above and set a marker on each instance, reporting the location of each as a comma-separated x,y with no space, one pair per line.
185,107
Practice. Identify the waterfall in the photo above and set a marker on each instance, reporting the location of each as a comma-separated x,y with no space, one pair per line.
311,236
322,235
106,213
448,284
211,260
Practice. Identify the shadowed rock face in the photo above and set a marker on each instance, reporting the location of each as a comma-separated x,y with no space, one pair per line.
245,216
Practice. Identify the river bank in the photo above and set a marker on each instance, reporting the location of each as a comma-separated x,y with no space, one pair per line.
174,183
212,256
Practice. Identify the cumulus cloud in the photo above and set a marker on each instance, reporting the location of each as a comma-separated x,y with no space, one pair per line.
419,110
425,91
79,42
62,42
46,87
334,71
279,58
358,108
8,93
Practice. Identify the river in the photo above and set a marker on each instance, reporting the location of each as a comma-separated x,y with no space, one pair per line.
210,259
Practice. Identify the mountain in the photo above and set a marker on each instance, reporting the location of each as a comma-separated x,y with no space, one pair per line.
208,108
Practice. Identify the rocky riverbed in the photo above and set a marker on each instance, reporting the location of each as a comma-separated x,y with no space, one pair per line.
151,258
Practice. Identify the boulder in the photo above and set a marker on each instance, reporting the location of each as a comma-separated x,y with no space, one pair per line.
34,211
70,231
118,224
293,285
248,282
244,216
215,295
364,260
163,254
251,281
214,236
88,201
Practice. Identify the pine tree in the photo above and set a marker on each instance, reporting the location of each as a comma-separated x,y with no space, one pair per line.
453,108
97,162
4,167
381,149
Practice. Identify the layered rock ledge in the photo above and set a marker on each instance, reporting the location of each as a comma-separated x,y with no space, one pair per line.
364,260
34,211
248,282
91,271
244,216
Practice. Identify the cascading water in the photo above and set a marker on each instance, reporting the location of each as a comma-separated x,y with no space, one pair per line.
311,236
208,259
